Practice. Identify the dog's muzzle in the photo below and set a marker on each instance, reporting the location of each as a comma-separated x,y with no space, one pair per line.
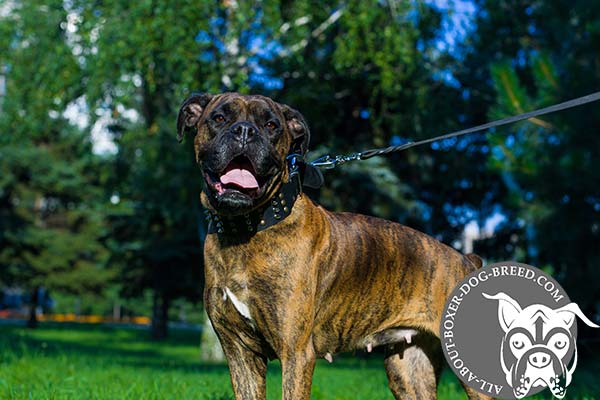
539,366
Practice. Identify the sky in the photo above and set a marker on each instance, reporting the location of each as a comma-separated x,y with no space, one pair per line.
457,23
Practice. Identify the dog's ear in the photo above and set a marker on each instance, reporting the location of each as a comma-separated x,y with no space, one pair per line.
191,111
508,309
298,127
568,313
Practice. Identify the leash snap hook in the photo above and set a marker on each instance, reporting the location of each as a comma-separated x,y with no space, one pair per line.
325,162
329,162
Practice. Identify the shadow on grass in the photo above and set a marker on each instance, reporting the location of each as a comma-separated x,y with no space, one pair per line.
124,347
135,348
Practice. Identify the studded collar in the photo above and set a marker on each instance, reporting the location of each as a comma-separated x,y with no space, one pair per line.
276,210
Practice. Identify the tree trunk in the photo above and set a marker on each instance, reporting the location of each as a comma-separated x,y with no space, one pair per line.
33,305
210,348
160,315
116,311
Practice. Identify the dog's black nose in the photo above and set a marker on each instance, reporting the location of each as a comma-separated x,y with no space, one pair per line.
243,131
539,359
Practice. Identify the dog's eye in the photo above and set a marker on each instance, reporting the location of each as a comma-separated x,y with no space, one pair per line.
218,118
559,341
560,344
519,341
271,125
517,344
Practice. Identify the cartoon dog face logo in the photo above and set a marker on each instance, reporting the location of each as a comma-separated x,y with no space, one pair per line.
537,345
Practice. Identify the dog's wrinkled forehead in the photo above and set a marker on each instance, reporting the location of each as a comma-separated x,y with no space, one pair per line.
547,317
244,106
286,122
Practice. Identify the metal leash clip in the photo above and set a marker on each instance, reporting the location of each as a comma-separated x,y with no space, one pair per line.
293,160
328,162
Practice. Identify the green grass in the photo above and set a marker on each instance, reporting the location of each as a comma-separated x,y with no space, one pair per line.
91,362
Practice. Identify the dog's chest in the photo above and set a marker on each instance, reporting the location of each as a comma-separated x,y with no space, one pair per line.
245,303
239,301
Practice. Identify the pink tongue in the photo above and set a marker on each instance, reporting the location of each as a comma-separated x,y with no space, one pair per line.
240,177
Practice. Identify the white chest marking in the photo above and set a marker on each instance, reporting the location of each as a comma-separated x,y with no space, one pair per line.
241,307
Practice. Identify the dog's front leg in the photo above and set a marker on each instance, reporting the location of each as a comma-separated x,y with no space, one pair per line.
248,371
297,367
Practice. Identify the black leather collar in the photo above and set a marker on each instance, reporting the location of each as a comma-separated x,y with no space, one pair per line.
276,210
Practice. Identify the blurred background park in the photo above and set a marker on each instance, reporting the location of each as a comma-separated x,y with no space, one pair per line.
101,229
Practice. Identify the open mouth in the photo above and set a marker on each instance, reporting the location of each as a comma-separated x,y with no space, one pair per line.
238,177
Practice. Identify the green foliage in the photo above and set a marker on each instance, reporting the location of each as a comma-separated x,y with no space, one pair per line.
148,69
549,164
153,60
390,49
51,219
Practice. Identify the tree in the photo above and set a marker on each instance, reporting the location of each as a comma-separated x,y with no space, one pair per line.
51,222
144,71
529,55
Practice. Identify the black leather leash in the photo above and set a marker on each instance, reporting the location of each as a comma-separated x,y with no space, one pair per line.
330,162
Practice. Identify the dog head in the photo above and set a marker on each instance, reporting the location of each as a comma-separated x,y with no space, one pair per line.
537,344
241,144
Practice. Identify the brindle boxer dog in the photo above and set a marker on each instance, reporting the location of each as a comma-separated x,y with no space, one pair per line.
288,279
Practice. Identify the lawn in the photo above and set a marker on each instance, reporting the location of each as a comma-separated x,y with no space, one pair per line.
92,362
